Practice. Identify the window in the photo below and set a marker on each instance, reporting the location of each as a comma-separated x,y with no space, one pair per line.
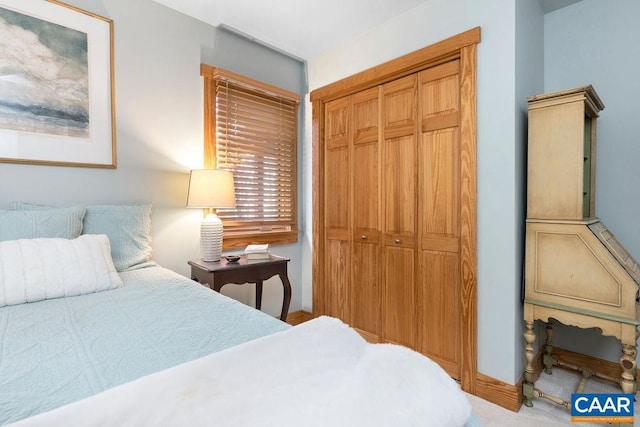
251,129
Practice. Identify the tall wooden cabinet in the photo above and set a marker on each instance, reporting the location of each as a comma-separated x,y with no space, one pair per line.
391,212
576,271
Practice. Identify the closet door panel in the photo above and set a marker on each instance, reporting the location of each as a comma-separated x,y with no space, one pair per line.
337,195
399,302
337,164
399,119
337,279
438,305
400,186
366,289
438,287
366,169
337,123
337,186
439,152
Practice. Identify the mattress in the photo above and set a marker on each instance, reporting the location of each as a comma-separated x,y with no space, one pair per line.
58,351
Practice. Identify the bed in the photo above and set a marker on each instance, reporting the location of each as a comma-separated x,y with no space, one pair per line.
123,341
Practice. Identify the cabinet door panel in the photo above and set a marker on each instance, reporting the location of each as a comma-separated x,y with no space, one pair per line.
556,162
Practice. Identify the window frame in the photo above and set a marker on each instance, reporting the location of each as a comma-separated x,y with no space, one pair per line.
251,234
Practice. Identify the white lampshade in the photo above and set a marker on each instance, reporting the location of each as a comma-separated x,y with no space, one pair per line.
211,188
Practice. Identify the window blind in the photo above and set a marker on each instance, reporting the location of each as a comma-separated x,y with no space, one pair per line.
256,138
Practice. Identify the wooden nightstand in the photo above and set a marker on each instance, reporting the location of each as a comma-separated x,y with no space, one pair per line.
217,274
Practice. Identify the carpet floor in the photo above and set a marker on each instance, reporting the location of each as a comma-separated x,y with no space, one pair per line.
545,413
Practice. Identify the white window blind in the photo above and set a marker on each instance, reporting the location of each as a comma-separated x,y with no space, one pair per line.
256,139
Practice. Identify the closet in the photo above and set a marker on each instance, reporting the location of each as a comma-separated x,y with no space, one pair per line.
394,203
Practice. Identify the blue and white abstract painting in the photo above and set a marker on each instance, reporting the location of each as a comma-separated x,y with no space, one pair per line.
44,76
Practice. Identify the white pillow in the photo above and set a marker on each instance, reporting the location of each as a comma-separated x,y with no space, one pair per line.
37,269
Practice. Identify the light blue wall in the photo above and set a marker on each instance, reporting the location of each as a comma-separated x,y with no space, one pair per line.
159,129
529,70
598,42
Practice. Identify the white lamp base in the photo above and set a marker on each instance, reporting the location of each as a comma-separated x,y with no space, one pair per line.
211,238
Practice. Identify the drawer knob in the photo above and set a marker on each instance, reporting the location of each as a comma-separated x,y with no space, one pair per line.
363,237
398,241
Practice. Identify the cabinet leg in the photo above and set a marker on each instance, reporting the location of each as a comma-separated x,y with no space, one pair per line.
527,386
628,362
549,360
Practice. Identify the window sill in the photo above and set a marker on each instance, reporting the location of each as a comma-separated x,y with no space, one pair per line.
241,240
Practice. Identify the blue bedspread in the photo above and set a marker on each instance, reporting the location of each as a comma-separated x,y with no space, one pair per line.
57,351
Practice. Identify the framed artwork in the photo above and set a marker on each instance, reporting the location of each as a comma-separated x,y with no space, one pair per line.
56,85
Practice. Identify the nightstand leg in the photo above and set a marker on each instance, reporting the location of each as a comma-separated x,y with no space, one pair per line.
259,295
286,298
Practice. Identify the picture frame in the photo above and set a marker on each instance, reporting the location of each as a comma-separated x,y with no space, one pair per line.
57,102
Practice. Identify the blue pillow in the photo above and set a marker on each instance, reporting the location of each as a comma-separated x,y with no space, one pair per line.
64,223
127,226
129,231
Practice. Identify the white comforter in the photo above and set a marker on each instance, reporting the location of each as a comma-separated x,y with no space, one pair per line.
320,373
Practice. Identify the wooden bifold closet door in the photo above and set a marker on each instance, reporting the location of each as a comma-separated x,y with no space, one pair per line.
395,203
391,212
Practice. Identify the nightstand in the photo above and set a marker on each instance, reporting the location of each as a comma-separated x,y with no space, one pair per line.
219,273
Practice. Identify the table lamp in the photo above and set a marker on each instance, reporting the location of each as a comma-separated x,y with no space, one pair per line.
211,188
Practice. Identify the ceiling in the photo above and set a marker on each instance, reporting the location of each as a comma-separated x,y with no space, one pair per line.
551,5
304,28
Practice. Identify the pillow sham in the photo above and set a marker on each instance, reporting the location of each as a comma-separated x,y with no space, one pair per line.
64,223
37,269
129,230
127,226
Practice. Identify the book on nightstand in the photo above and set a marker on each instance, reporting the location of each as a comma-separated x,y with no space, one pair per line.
257,252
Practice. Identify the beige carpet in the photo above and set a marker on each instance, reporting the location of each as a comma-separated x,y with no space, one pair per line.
544,413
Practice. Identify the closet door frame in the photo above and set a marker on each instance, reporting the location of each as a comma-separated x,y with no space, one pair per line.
463,47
